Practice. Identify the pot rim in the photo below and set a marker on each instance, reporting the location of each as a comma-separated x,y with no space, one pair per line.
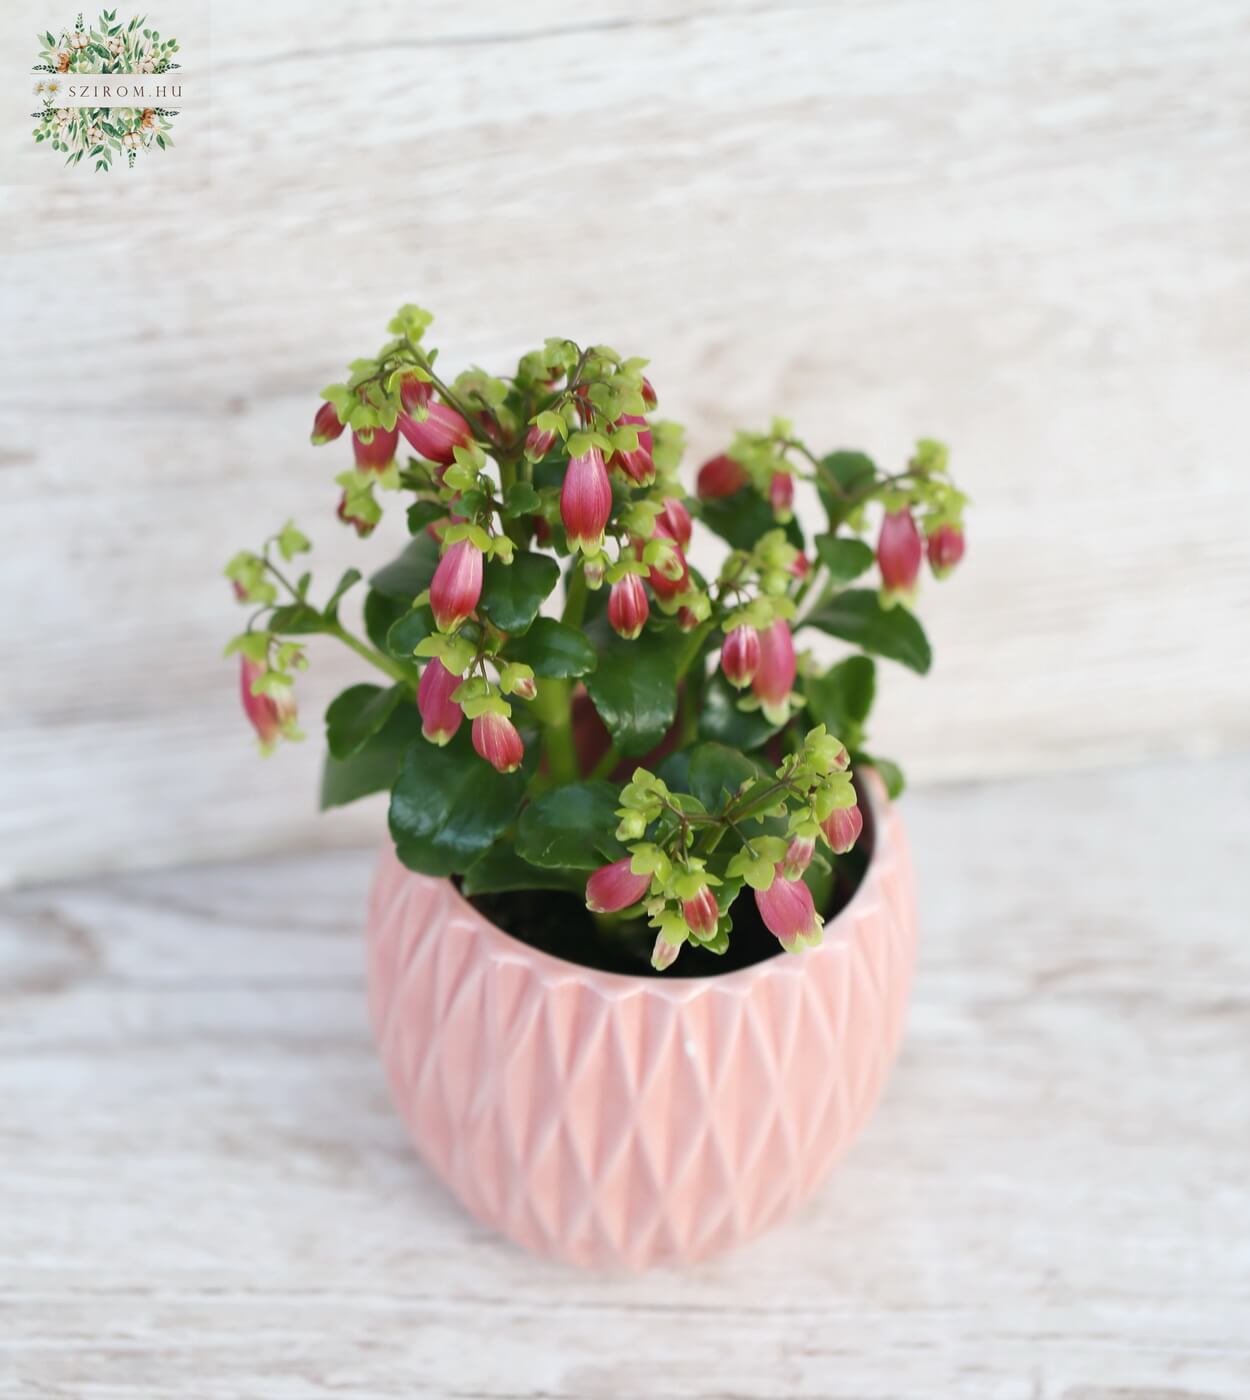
837,933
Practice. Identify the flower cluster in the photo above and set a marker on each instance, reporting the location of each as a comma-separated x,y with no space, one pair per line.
559,479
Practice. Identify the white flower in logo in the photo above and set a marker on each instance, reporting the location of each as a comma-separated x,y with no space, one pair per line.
117,43
50,89
147,65
79,40
132,140
63,117
95,136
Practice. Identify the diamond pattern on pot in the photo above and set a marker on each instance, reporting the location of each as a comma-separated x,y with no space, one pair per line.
622,1122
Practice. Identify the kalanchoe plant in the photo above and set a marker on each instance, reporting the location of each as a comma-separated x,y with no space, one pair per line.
643,734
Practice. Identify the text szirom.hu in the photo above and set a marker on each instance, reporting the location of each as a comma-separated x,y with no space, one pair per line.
104,92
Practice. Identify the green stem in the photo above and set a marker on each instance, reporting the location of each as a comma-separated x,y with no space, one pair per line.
578,593
395,669
553,709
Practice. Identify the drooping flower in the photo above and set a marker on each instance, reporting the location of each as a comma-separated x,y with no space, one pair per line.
361,524
774,676
798,856
538,442
456,585
437,436
946,549
687,619
664,953
586,500
440,715
628,607
899,551
648,393
788,913
415,394
740,656
271,715
675,521
842,828
701,912
615,887
781,495
374,449
721,476
637,464
496,740
802,565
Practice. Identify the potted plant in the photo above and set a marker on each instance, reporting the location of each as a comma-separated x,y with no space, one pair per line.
617,790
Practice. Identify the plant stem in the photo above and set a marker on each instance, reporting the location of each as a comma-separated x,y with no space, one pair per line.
395,669
578,592
553,709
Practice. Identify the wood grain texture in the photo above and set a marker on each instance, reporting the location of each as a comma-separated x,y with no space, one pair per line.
207,1193
1025,230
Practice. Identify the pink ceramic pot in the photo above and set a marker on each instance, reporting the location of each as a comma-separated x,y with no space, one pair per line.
627,1121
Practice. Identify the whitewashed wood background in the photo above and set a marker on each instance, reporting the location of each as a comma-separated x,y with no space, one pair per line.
1025,229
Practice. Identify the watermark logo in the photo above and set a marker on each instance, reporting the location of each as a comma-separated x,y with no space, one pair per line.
107,91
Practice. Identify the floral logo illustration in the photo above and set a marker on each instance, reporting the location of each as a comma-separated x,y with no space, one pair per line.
103,133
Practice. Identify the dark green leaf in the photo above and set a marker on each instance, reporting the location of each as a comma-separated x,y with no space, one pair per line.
424,513
852,472
891,773
521,499
296,619
381,614
409,574
721,719
513,593
448,804
743,517
374,767
845,559
349,580
634,690
842,697
500,869
717,772
414,627
857,616
553,649
571,827
357,714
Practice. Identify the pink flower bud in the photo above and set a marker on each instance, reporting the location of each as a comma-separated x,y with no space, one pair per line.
674,521
496,739
538,442
437,436
269,714
842,829
802,566
586,500
946,549
774,677
899,551
542,530
440,715
326,426
687,619
798,857
375,450
456,585
722,476
701,912
614,887
628,607
664,953
364,528
666,582
740,656
648,393
594,569
415,394
788,912
638,464
781,495
526,688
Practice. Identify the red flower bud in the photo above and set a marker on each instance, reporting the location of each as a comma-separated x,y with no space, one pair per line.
842,829
664,953
722,476
526,688
594,568
586,500
615,887
674,521
628,607
364,528
648,393
374,449
415,394
326,426
687,619
899,551
946,549
538,442
701,912
440,715
801,567
496,739
781,495
456,585
269,714
638,464
542,530
437,436
798,857
788,912
740,656
774,677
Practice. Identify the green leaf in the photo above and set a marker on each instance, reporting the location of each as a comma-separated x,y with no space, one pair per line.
513,593
521,499
553,649
844,558
721,719
381,614
500,869
410,573
357,714
891,773
634,689
857,616
448,805
853,472
742,518
403,637
571,827
842,697
372,768
717,772
349,580
296,619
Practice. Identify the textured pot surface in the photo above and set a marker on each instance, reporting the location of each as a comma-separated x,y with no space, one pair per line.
627,1121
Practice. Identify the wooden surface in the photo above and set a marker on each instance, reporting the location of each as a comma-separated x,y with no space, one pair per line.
1024,229
207,1194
